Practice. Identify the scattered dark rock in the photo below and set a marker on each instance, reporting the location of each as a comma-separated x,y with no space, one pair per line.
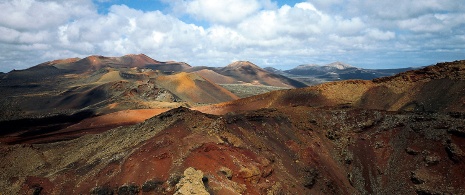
427,191
454,152
441,125
267,171
459,115
411,151
151,185
205,179
36,189
226,172
174,179
457,131
349,157
128,190
101,191
309,177
379,144
333,135
432,159
415,178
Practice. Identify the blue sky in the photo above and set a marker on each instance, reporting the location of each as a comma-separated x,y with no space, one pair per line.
280,34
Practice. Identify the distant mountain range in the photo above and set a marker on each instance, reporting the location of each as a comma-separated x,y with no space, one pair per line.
312,74
134,125
107,84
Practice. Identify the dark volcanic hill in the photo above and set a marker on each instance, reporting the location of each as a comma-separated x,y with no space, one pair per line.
51,96
403,134
315,74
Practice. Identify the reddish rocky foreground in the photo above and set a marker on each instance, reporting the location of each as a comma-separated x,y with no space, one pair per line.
285,150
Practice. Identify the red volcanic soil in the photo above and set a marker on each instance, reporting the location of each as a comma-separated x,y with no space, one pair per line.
397,135
297,150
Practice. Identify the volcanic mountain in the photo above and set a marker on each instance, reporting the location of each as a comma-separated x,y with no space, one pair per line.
248,72
403,134
312,74
194,88
51,96
436,88
246,79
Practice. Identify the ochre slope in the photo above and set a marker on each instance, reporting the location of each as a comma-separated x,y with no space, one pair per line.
438,88
194,88
216,77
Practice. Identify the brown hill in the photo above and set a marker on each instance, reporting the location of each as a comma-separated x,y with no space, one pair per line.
216,77
254,84
436,88
169,67
247,72
98,62
51,95
194,88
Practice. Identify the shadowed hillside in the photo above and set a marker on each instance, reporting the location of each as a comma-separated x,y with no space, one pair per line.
436,88
98,85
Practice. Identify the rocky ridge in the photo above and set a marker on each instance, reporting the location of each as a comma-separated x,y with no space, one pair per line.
397,135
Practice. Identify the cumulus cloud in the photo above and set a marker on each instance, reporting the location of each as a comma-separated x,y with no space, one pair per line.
32,15
317,31
226,11
380,35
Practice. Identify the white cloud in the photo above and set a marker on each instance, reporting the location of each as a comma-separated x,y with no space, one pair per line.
225,11
433,22
380,35
31,14
262,32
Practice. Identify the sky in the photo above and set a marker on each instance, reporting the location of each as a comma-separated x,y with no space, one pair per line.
280,34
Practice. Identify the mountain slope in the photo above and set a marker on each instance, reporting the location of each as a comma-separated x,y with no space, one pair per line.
436,88
315,74
216,77
194,88
247,72
403,134
45,99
